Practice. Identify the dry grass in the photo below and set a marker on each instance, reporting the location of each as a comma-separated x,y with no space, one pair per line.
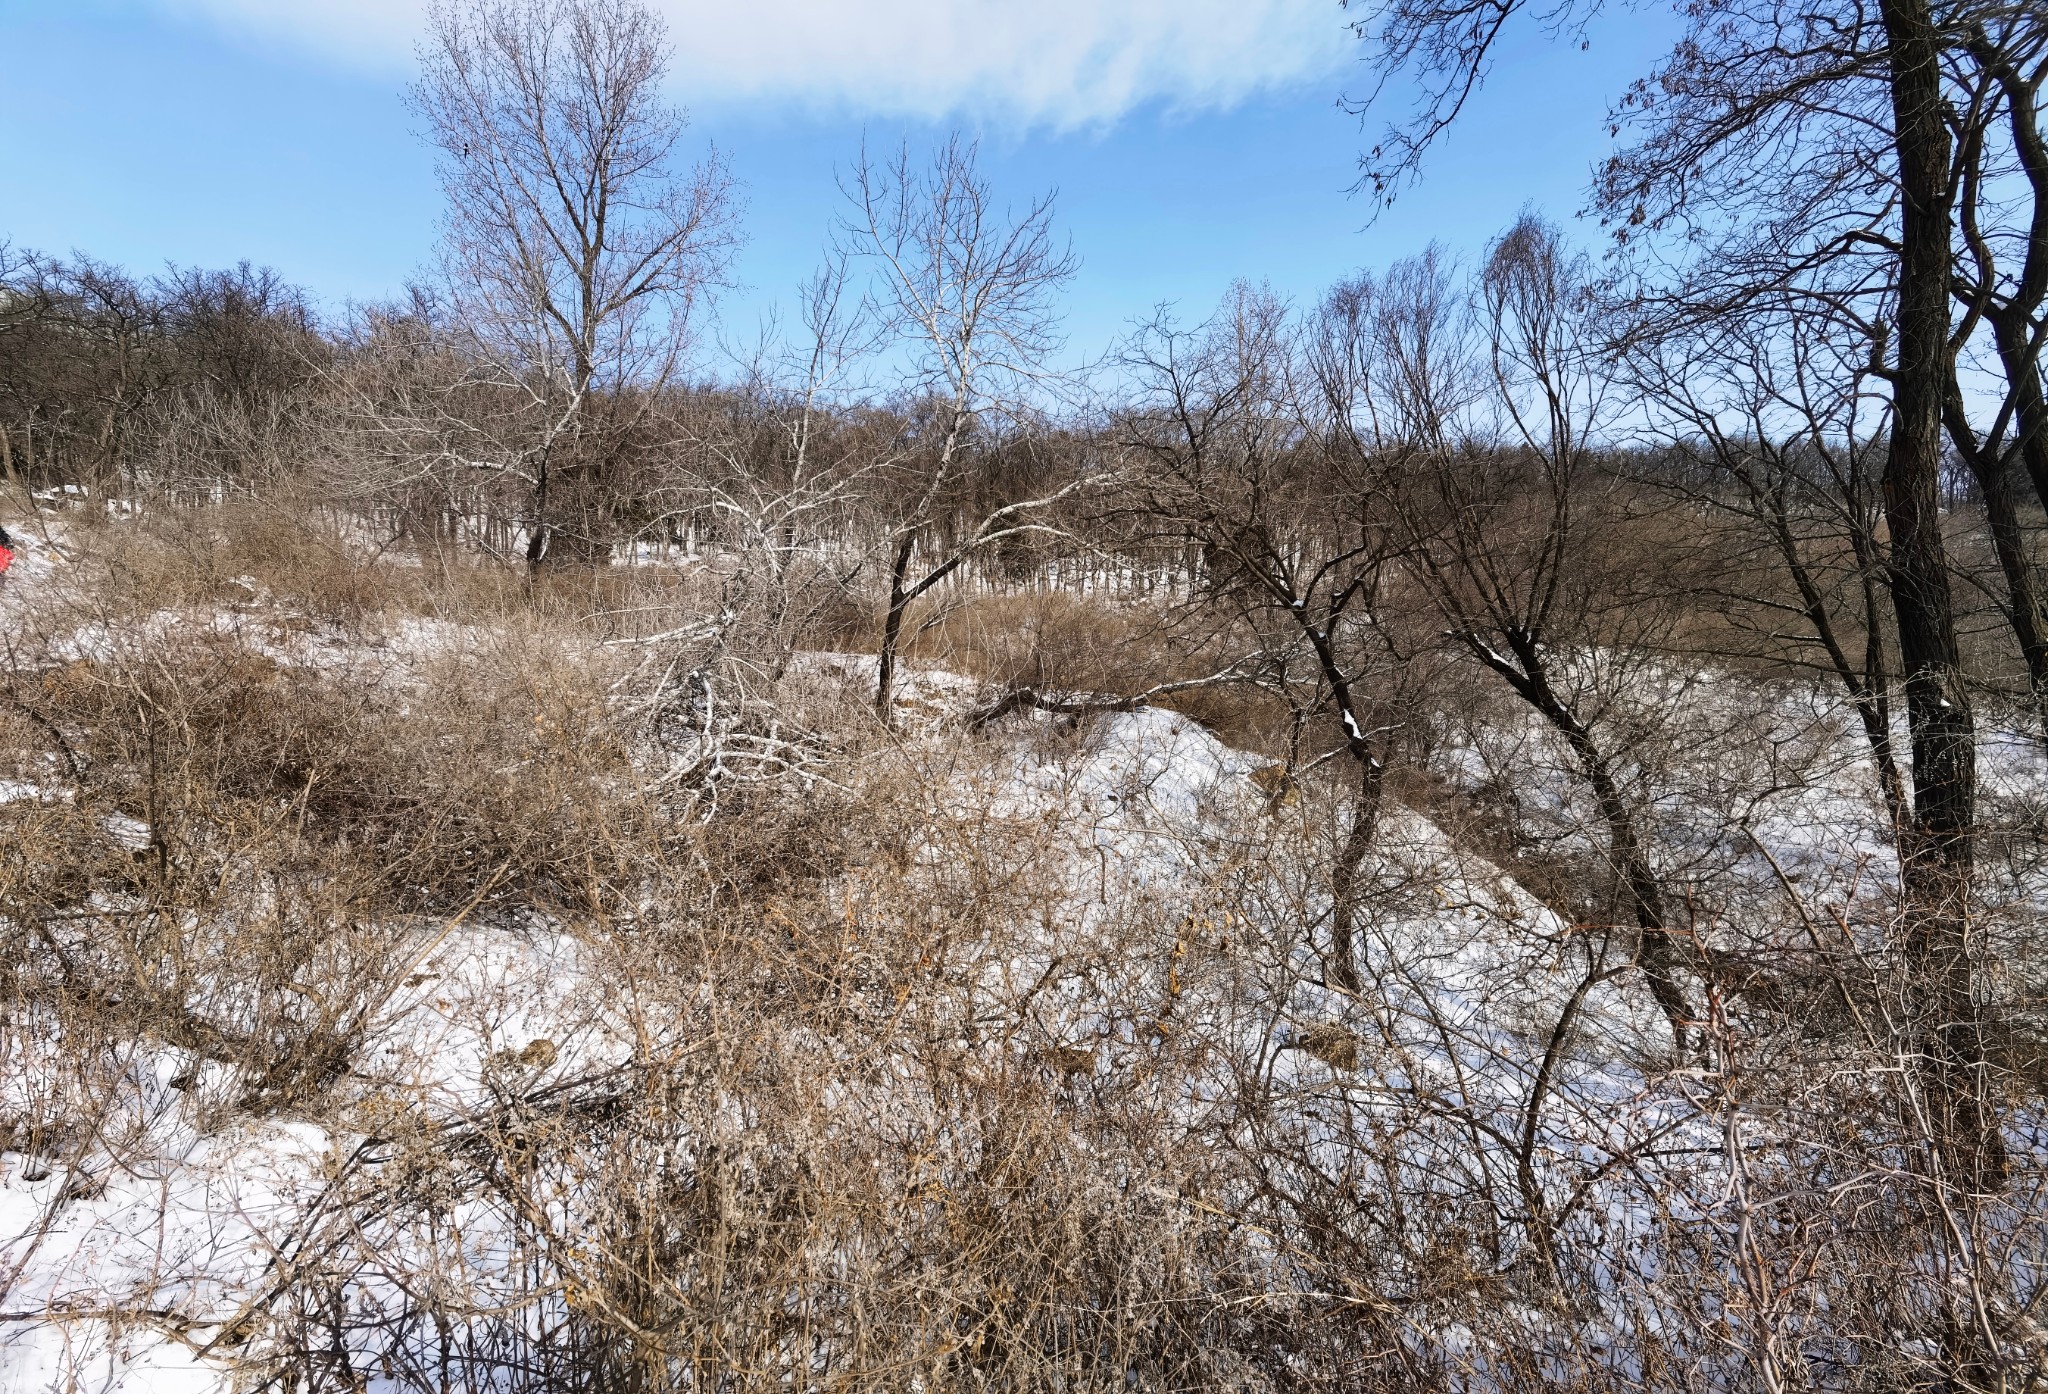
1055,641
877,1075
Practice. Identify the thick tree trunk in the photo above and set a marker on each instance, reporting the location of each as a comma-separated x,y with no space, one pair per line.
1936,854
1346,882
2019,354
1368,753
1660,954
2012,325
537,535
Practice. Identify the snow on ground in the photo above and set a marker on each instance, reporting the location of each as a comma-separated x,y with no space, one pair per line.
38,558
1137,822
187,1225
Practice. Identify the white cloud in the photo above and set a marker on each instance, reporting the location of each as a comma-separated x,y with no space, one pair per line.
1035,62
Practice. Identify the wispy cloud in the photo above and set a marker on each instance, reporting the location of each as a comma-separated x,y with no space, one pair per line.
1060,63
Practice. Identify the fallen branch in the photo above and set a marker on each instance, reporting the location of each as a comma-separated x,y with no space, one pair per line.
1018,699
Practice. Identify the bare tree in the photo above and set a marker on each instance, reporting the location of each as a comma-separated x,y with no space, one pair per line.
1255,461
111,382
1993,82
1756,143
1498,535
970,289
779,476
573,248
1775,425
787,462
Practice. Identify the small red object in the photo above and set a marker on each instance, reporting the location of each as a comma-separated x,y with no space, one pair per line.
6,560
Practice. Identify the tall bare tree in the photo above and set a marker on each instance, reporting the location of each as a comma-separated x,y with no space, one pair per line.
970,288
1754,143
574,248
1255,460
1775,426
1498,532
1992,82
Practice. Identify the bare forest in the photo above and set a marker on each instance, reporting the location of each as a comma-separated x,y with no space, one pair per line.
1486,830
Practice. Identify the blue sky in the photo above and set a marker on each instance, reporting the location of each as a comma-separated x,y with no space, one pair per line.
1192,141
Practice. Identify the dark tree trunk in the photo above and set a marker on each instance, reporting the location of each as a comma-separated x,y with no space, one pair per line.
2019,353
1660,952
1936,854
537,538
2013,324
1994,476
1368,753
892,625
1346,883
